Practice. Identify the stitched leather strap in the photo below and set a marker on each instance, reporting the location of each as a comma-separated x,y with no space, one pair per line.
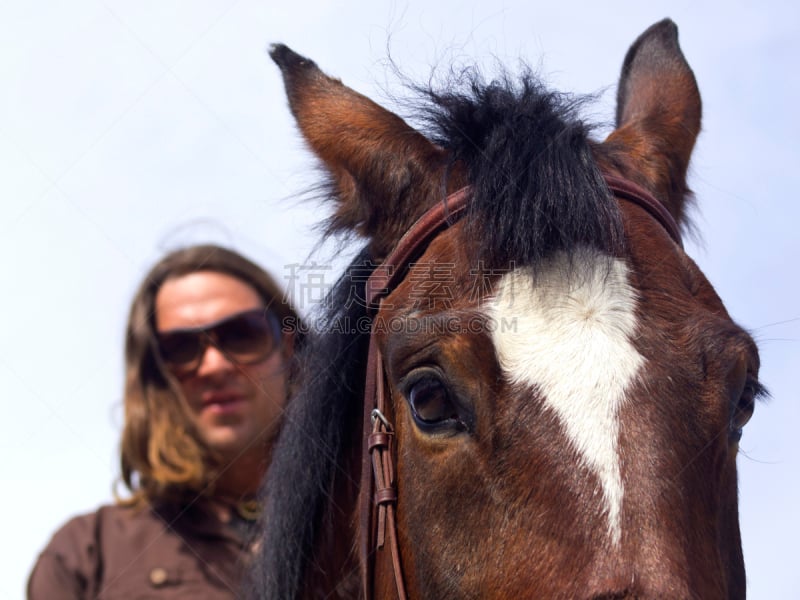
391,272
624,189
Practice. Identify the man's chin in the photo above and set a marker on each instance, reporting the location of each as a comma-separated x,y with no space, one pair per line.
231,443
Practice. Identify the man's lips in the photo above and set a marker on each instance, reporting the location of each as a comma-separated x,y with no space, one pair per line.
222,400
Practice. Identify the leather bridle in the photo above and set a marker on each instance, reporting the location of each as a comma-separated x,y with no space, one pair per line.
378,482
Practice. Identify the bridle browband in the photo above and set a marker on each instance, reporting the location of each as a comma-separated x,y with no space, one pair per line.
624,189
378,483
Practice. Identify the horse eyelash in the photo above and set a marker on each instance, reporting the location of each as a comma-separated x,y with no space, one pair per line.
760,391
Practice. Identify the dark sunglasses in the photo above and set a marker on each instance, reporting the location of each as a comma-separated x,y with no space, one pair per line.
244,338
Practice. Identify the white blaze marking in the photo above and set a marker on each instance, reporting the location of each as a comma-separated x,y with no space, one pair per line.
568,333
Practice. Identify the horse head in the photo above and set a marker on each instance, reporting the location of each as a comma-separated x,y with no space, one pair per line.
565,389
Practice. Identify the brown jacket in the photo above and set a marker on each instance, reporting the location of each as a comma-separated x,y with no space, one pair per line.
126,553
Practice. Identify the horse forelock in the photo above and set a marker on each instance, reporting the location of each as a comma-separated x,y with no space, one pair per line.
529,160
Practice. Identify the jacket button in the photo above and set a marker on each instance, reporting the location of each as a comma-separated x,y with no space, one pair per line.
158,576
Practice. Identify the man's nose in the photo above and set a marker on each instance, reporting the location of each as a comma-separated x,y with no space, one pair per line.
213,361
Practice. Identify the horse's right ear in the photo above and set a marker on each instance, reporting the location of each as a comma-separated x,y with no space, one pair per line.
382,170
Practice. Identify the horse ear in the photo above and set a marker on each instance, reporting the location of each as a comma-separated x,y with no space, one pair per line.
382,170
658,116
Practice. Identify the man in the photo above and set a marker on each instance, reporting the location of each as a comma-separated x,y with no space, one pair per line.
207,375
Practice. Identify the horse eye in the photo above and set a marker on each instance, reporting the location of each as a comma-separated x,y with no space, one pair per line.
744,406
431,404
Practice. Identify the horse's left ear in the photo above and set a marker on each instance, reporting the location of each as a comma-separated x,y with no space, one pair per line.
658,116
383,172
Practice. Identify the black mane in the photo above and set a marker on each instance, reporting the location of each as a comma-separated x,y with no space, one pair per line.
298,485
536,191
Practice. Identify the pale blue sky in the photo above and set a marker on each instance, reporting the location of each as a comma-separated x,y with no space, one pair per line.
127,129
